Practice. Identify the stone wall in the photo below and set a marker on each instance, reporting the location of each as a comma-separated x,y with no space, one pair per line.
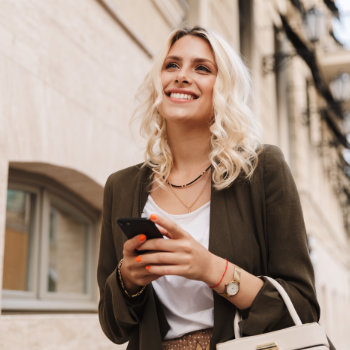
69,73
54,332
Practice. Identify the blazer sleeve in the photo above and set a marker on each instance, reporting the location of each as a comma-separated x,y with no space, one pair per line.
288,259
119,316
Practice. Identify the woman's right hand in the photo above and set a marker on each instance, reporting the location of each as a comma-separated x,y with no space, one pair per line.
134,273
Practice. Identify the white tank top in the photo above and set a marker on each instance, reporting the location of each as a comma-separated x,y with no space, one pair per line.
188,304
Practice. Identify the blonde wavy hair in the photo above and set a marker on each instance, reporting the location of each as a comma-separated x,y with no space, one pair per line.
235,140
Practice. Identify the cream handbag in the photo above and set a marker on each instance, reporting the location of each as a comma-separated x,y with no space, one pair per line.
301,336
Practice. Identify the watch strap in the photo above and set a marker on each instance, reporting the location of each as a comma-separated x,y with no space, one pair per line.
236,279
237,275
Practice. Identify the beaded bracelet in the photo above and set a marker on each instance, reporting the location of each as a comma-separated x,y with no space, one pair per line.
222,277
123,285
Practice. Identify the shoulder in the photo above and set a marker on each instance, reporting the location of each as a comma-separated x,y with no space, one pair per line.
271,165
271,154
271,159
125,173
127,177
273,171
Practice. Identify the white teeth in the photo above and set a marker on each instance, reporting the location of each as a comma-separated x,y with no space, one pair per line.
181,96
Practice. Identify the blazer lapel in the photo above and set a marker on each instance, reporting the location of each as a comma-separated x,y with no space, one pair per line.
220,239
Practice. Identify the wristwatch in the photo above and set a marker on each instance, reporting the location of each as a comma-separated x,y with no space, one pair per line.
232,287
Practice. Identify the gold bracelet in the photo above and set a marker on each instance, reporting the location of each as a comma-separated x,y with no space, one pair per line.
123,285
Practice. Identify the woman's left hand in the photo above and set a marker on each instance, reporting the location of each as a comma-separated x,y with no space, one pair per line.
179,255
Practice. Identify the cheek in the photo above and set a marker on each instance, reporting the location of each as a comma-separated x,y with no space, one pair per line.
164,79
211,87
210,94
208,87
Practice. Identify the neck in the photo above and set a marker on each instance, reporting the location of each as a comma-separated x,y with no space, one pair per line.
190,147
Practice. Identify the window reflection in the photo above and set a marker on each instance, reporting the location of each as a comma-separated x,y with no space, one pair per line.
18,240
68,245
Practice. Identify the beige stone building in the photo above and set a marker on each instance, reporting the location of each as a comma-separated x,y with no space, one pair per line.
69,74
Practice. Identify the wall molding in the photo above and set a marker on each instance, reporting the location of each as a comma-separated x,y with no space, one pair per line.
111,9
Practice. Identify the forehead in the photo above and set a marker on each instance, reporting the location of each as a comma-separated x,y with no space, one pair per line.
193,46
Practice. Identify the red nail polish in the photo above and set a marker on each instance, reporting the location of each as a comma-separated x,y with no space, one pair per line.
153,217
138,259
142,238
147,267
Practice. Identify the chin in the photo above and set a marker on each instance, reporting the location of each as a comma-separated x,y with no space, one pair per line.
197,121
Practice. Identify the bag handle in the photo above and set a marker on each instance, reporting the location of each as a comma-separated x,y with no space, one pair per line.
291,309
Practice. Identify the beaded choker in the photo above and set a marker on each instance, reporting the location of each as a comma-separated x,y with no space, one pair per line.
191,182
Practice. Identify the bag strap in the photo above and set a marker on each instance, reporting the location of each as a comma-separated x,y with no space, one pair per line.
291,309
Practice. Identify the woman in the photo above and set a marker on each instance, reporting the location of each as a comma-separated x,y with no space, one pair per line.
227,205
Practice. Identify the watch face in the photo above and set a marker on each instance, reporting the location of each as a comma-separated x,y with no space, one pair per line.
232,288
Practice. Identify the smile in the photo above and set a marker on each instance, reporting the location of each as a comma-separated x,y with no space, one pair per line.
181,96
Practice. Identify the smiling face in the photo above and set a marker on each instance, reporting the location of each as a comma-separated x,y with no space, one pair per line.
188,77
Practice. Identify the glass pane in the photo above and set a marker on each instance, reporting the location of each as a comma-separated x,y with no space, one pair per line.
68,242
18,240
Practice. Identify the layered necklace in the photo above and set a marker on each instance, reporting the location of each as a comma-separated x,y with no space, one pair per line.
174,187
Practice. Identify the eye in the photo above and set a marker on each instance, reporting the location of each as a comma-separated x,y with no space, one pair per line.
203,68
171,65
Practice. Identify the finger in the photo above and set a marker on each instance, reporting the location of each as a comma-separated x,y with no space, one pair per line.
163,258
167,245
173,230
132,244
134,274
141,274
162,270
163,231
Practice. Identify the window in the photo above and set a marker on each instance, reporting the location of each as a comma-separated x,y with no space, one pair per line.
246,30
50,247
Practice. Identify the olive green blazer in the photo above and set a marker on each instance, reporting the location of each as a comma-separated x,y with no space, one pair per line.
256,224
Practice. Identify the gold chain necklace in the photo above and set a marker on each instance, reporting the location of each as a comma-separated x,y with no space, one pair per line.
189,207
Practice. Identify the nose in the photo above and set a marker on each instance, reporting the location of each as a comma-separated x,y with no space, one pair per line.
183,77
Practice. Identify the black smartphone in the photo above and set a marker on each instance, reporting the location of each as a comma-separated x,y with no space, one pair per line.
137,226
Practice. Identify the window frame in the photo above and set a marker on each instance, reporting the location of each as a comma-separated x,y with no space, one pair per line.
38,298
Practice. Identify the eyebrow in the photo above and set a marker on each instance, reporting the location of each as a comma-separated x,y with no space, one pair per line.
196,60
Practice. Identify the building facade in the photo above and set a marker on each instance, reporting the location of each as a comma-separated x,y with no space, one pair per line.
70,72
